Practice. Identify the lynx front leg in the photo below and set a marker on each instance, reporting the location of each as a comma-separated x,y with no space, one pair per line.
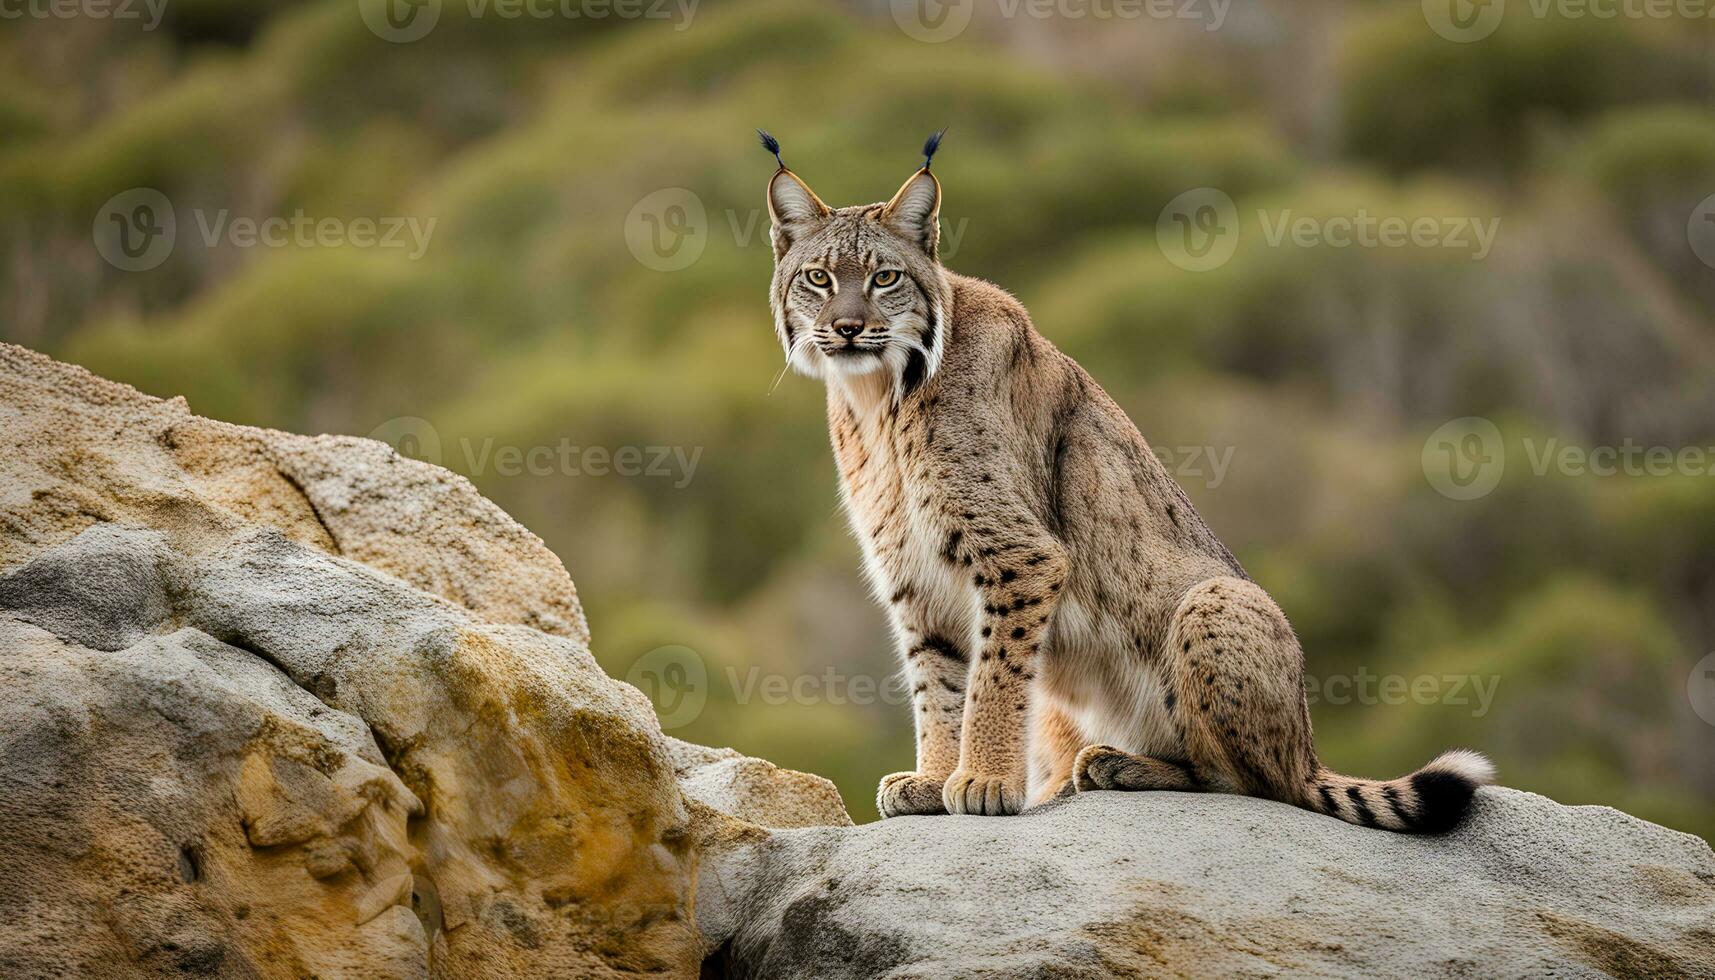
936,668
1019,582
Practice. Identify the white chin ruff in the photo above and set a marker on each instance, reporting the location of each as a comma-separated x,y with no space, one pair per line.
854,365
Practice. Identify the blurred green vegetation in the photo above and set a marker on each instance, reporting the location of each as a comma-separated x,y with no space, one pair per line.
1316,372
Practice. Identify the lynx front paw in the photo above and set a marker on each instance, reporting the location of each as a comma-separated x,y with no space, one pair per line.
906,793
983,796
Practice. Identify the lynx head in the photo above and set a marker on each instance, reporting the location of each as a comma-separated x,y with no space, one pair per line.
859,290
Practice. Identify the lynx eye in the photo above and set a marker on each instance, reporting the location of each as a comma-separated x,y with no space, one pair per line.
885,278
818,278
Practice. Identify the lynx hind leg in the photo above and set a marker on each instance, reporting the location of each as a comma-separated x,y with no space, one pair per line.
1105,767
1236,692
907,793
1054,744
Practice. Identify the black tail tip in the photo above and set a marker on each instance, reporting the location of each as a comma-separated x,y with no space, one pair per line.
1443,799
932,144
770,144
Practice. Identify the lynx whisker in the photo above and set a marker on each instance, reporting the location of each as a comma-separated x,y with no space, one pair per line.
791,352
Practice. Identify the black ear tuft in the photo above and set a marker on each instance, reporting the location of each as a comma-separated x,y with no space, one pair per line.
930,145
772,145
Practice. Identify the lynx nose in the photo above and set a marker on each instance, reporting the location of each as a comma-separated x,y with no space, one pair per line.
848,328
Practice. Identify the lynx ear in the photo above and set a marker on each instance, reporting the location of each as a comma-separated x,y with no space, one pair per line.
794,207
915,212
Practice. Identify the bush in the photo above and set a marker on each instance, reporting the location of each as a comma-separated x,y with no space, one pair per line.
1412,99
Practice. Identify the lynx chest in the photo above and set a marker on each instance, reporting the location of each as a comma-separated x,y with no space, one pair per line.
899,512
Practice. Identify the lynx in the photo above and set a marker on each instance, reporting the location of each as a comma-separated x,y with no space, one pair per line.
1066,620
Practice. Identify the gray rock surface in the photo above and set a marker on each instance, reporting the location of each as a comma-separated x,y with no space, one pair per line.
1174,884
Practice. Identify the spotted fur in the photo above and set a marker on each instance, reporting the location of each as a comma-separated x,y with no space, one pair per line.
1064,616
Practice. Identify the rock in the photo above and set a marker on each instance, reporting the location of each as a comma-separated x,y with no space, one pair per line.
280,706
755,790
290,706
107,599
180,806
1174,884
